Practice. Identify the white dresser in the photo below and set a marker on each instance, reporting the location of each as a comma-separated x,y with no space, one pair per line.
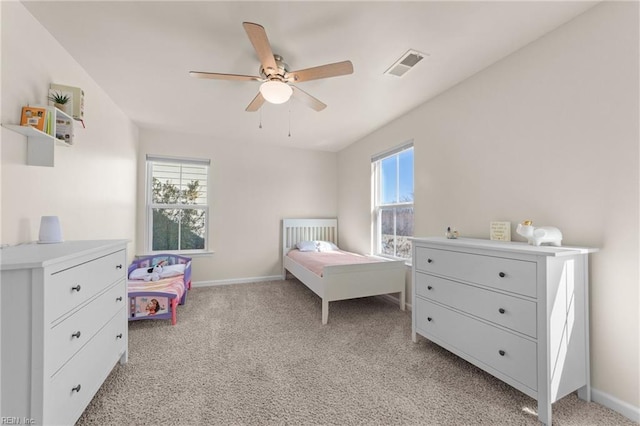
517,311
63,327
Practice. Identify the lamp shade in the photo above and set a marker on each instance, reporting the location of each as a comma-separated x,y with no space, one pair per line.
50,231
276,92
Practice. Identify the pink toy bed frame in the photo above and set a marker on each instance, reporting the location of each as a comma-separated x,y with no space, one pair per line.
148,262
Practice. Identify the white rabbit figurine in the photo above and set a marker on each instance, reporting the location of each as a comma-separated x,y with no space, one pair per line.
540,235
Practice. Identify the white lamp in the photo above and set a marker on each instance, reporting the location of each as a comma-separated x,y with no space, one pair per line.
50,231
275,91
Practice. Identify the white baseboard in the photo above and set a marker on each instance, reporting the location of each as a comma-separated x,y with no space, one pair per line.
609,401
236,281
394,300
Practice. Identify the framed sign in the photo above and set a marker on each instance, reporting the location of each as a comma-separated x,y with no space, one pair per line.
500,231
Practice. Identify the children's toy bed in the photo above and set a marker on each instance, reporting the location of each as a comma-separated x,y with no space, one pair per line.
154,293
310,253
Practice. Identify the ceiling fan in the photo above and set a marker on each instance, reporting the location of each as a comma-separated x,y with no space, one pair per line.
275,76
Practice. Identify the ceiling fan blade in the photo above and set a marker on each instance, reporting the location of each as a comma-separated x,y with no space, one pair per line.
256,103
323,71
258,37
218,76
307,99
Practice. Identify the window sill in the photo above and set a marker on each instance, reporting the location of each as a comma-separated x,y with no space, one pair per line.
407,262
179,253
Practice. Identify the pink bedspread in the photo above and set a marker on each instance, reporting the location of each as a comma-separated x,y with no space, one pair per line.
172,285
316,261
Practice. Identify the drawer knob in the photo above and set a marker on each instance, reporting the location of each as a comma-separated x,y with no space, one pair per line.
76,288
119,299
429,319
501,310
76,334
119,266
429,287
502,275
501,352
119,336
429,260
76,389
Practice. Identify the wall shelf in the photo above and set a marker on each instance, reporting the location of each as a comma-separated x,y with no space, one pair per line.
40,145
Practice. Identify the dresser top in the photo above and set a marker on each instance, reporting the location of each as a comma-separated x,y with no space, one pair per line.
34,255
510,246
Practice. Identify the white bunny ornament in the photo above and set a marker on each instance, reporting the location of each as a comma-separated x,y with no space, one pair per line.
540,235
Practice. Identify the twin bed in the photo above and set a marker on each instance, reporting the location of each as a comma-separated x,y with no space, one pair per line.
334,274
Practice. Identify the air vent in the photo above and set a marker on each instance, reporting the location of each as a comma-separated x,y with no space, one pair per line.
405,63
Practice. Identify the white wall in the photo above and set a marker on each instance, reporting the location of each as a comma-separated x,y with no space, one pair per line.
550,134
253,187
92,186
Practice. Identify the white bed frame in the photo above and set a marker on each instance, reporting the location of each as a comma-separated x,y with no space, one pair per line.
339,282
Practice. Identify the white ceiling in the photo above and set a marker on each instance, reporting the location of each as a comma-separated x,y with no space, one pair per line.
140,53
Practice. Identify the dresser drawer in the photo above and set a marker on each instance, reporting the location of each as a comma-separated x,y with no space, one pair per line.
71,389
511,275
508,311
505,352
71,287
67,337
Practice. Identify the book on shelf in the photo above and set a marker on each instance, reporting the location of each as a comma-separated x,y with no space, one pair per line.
64,130
48,124
75,106
34,117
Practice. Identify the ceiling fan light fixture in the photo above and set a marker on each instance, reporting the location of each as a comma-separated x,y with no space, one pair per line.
276,92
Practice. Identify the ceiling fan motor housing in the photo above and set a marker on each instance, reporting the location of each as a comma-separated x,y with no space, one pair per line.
279,74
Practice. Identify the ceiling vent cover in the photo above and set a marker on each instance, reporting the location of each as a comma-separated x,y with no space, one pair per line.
405,63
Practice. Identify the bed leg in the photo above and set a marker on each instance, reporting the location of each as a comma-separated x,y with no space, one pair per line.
174,309
402,300
325,311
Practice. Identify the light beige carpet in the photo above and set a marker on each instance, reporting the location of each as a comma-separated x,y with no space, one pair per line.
257,354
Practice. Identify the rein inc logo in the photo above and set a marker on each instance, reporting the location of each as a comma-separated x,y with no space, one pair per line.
17,421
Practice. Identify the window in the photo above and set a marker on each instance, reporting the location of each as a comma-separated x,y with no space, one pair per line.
393,202
177,209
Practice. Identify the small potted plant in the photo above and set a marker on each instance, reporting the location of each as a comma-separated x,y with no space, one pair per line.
59,100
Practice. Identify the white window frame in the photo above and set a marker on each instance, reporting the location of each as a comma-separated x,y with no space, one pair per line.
150,205
377,207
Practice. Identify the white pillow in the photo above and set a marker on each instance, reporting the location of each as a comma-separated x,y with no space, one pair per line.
307,246
172,270
326,246
139,274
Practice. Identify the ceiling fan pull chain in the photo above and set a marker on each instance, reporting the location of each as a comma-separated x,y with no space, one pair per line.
260,126
289,119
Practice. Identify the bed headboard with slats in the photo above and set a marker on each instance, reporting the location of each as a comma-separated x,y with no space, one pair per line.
296,230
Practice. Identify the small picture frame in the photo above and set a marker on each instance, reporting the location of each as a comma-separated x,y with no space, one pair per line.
500,231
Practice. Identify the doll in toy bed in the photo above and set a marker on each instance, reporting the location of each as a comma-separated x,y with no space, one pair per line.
156,285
